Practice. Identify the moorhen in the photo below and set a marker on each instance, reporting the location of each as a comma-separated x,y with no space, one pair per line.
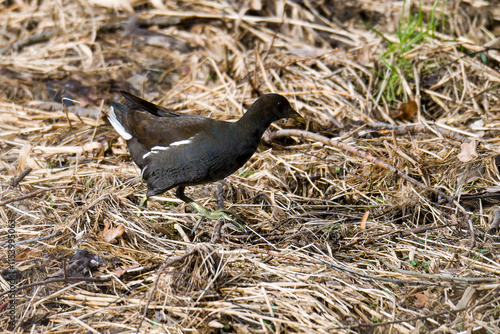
178,150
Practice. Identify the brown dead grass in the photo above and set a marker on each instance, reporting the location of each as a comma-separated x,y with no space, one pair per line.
336,244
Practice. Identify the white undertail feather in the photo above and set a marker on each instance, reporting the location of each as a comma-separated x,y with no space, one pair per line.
117,125
142,172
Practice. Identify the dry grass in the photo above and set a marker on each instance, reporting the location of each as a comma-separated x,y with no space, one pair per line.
336,244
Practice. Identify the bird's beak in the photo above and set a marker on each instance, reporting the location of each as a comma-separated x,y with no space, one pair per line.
296,116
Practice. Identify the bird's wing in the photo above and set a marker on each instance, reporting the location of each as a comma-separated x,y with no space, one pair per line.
136,103
153,125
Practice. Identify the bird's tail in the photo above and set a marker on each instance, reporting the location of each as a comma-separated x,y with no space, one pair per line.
118,119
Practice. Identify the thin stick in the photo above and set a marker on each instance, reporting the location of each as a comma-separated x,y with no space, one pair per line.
365,155
358,152
342,269
419,127
442,277
56,280
153,288
69,120
29,40
39,191
422,317
29,241
276,33
15,181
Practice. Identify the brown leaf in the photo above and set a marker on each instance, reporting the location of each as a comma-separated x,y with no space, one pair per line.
406,111
364,219
469,151
365,54
23,255
421,300
4,305
111,234
395,113
121,271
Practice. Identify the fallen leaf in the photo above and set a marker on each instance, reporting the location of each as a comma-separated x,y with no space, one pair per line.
111,234
469,151
364,219
215,324
406,111
365,54
137,81
122,271
24,155
4,305
477,124
421,300
23,255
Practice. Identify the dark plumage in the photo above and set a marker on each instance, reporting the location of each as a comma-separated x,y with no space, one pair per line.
174,149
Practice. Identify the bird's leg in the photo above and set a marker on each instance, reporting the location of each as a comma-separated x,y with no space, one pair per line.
215,239
220,194
142,204
221,213
144,201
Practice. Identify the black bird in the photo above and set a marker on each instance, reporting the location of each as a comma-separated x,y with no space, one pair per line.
178,150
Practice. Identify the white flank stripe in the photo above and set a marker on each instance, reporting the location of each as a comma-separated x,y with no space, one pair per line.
117,125
157,149
160,148
143,170
181,142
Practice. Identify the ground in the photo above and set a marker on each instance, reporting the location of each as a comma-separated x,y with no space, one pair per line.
379,215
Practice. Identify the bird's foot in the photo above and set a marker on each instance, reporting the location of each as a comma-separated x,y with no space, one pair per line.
217,214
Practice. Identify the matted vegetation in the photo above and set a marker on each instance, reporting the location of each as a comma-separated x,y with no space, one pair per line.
337,242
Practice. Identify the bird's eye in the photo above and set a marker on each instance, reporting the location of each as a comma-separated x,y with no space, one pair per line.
280,105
